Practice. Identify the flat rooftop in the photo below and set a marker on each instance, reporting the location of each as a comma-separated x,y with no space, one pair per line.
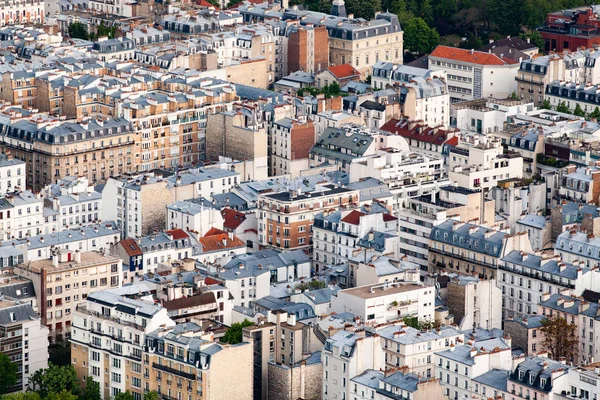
377,290
88,259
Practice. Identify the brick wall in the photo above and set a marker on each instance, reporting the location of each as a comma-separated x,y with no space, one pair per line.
456,301
297,44
303,382
321,48
302,140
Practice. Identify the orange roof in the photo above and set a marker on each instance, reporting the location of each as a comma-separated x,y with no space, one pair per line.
131,247
470,56
214,231
204,3
210,281
343,71
353,218
178,233
220,242
232,219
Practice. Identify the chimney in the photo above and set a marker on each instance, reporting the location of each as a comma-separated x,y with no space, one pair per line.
77,256
472,51
55,260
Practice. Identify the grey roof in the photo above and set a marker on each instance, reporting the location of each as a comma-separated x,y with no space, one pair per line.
257,263
334,144
199,175
462,354
573,212
476,241
126,305
408,382
578,243
531,321
19,288
14,313
552,266
385,265
5,162
370,189
369,378
301,310
407,335
67,236
321,296
534,221
495,378
535,368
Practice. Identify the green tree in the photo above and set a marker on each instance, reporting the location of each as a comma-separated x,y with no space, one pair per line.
578,111
8,373
324,6
151,395
514,96
535,38
104,30
60,353
234,333
124,396
92,390
363,8
562,107
560,338
21,396
546,105
506,15
418,37
77,30
595,114
62,395
54,379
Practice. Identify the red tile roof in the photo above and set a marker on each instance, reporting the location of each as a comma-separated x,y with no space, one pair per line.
131,247
353,218
343,71
220,242
236,5
452,141
417,131
178,234
470,56
192,301
210,281
232,219
389,217
204,3
215,231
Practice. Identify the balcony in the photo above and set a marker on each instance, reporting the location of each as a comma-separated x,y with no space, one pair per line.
174,371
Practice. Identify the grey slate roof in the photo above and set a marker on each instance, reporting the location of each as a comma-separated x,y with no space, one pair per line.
495,378
334,144
552,266
369,378
14,313
477,242
321,296
573,212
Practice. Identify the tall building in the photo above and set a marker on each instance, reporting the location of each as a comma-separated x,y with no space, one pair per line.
23,339
308,48
65,280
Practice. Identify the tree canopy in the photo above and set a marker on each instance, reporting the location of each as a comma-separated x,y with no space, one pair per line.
54,379
8,373
127,395
560,337
234,333
419,38
77,30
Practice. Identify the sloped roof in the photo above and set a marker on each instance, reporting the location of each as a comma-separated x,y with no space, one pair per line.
220,242
343,71
353,218
131,247
178,234
470,56
232,219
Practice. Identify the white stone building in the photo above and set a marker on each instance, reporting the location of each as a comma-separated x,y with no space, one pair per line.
196,216
12,174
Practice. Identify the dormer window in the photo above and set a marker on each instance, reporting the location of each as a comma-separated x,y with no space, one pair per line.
543,382
521,375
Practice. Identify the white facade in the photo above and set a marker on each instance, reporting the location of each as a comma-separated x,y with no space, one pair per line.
21,215
193,217
345,356
489,117
477,163
386,302
12,174
22,12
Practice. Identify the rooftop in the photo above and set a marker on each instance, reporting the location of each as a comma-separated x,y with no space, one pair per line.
377,290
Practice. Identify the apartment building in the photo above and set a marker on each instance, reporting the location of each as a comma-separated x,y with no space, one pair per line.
98,237
336,235
404,346
110,331
572,95
207,182
575,311
194,216
136,203
570,214
476,163
22,12
469,249
576,246
524,277
369,268
23,338
525,333
474,302
474,74
71,202
233,135
422,213
457,367
307,48
539,377
423,94
214,371
21,215
394,383
385,302
290,142
490,116
581,383
53,149
581,184
286,218
346,355
279,342
19,87
12,173
65,280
